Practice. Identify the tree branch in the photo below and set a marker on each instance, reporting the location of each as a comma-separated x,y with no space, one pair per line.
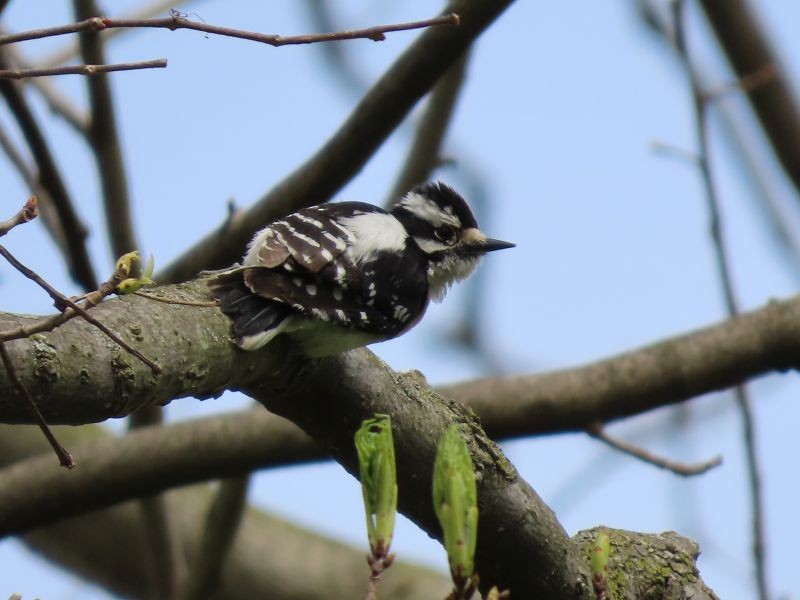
178,20
108,546
513,520
88,70
190,344
28,212
146,461
748,50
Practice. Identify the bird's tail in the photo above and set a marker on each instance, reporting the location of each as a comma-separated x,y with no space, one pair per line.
256,320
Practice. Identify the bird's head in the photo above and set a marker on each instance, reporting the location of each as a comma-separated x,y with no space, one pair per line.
444,228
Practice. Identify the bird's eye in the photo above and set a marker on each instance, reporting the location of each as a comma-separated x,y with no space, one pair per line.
445,234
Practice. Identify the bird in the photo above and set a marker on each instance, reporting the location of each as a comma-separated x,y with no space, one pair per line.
343,275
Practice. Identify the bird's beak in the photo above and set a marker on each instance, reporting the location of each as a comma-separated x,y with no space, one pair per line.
490,245
475,242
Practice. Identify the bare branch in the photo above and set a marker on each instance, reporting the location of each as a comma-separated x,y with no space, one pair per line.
64,457
598,432
28,212
143,11
87,70
179,21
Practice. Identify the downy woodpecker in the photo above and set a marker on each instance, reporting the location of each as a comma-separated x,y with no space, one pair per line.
338,276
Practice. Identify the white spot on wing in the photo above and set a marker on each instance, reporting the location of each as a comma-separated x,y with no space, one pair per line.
340,273
337,293
311,289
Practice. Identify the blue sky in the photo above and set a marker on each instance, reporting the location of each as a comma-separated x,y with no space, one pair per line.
557,119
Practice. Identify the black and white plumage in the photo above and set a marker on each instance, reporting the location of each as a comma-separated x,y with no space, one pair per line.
338,276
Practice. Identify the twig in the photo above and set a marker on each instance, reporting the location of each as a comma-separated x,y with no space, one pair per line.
165,300
62,302
64,457
47,209
598,432
40,325
88,70
741,394
377,565
671,151
72,48
747,84
178,21
28,212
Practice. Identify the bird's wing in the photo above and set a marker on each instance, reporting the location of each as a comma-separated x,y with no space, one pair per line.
300,262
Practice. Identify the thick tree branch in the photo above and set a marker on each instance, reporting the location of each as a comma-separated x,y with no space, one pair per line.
197,360
667,372
348,150
669,573
108,546
514,522
147,461
191,345
748,50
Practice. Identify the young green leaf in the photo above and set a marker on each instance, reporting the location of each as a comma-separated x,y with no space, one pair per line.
455,500
375,448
